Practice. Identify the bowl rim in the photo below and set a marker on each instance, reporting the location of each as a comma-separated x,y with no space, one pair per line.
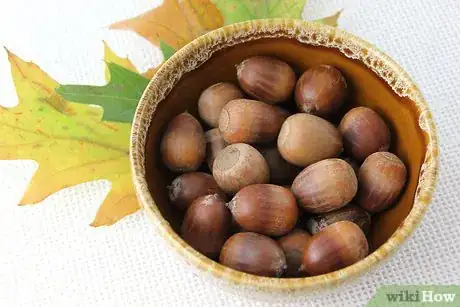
199,50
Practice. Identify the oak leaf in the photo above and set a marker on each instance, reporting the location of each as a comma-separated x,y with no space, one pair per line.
119,97
167,50
241,10
69,141
112,57
175,22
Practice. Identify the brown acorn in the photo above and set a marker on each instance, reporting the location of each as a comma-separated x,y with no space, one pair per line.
189,186
239,165
214,98
265,208
335,247
364,132
293,244
321,90
253,253
352,213
281,172
325,186
206,225
355,165
250,121
183,146
214,144
381,179
266,79
305,139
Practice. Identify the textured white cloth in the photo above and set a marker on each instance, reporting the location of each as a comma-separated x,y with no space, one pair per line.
49,256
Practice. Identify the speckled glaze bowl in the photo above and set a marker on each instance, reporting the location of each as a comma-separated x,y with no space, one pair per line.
374,79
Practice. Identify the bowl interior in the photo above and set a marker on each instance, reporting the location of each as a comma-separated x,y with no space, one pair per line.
365,89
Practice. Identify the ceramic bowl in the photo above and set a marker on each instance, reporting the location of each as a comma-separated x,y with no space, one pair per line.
374,80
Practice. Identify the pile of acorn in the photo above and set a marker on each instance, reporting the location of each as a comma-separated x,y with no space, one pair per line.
278,200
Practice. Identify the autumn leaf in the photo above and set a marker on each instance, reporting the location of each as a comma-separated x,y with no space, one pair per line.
167,50
112,57
241,10
330,20
151,72
175,22
69,141
118,98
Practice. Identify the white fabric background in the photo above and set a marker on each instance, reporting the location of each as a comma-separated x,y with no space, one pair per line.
49,256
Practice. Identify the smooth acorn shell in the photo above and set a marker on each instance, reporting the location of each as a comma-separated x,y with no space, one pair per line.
364,132
206,225
305,139
381,179
267,79
352,213
325,186
214,98
265,208
183,146
189,186
281,171
214,144
239,165
250,121
253,253
293,245
335,247
321,90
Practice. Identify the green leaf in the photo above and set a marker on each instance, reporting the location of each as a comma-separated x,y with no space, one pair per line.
241,10
167,50
118,98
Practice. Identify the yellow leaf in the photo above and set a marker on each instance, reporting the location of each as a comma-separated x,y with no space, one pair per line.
151,72
69,141
175,22
112,57
114,208
331,20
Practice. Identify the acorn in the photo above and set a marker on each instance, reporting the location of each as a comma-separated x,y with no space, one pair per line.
335,247
321,90
355,165
325,186
352,213
305,139
284,113
250,121
266,78
364,132
381,179
206,225
265,208
293,244
214,144
183,146
253,253
214,98
239,165
281,172
189,186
